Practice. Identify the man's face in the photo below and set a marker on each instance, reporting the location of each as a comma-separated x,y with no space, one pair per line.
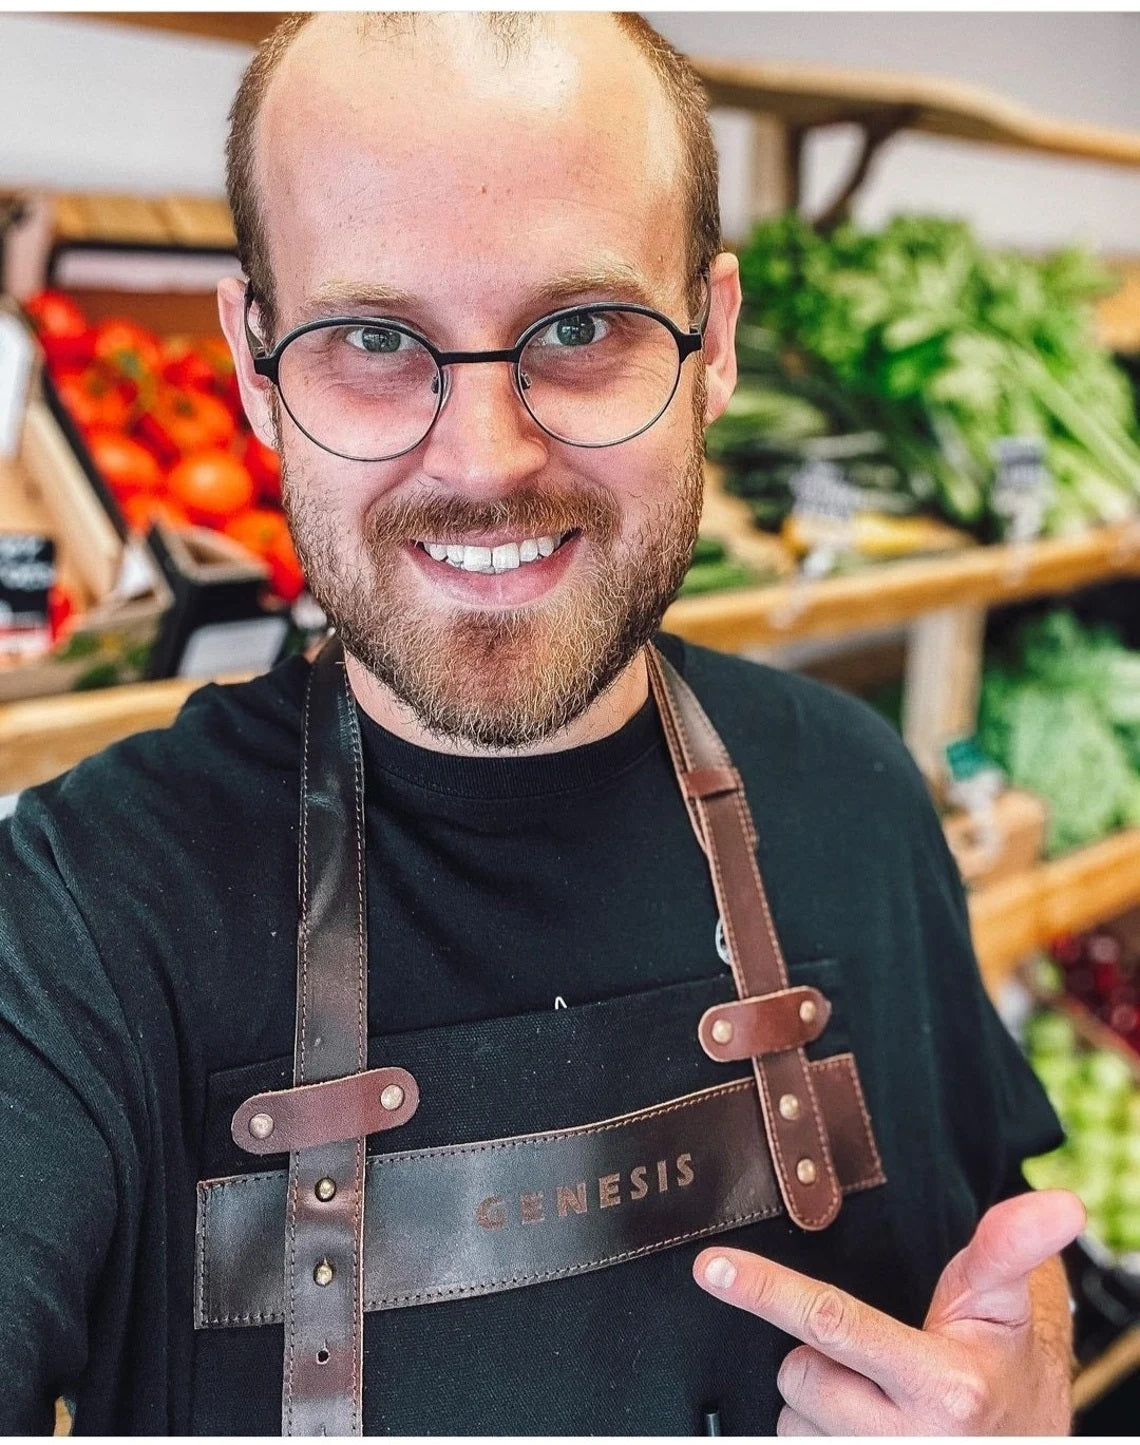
481,196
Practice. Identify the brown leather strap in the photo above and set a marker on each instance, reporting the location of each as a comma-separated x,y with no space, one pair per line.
284,1120
766,1025
723,824
459,1220
323,1388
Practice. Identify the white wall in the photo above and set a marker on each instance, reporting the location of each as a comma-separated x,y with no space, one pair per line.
90,105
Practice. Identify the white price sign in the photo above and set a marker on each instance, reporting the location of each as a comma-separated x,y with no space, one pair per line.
16,353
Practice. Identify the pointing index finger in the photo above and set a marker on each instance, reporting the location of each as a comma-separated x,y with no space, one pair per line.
892,1355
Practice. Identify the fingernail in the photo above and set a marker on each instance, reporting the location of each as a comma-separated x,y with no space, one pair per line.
720,1272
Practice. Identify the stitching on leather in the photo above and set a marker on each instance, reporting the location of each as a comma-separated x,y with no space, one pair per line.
200,1245
361,1056
847,1064
585,1131
669,718
523,1279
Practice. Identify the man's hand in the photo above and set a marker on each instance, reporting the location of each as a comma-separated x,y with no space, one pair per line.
982,1364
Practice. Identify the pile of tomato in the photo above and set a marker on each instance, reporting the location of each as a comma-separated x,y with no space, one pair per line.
163,421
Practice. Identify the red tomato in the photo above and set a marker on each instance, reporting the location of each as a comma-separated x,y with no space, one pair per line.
124,464
264,467
55,314
257,529
94,399
144,509
285,575
181,422
134,350
184,366
212,485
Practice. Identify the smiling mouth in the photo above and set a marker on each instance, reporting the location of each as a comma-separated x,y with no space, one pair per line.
493,561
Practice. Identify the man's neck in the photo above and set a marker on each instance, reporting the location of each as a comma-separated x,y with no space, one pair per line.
605,715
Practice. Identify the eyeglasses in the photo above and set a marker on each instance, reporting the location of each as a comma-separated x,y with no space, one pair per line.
369,389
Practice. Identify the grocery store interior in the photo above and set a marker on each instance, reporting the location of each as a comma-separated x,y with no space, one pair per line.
926,489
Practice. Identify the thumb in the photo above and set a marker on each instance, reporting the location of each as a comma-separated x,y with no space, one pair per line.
989,1279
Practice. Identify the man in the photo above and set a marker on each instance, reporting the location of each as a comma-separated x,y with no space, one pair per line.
496,537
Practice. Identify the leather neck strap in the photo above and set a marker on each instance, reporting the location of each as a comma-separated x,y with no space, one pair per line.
324,1320
323,1295
718,809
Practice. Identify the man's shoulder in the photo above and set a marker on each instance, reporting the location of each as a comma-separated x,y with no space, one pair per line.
769,717
226,740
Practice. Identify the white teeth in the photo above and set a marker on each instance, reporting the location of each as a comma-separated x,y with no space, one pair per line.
477,559
503,558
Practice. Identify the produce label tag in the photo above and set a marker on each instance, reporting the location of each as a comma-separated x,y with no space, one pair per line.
16,353
965,759
27,573
1022,486
822,491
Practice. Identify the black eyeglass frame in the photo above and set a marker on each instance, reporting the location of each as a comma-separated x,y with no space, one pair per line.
268,363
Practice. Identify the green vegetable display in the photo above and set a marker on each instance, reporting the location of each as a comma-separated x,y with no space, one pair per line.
1060,713
936,346
1095,1094
712,570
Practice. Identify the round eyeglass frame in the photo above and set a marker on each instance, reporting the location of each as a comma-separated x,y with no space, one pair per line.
268,363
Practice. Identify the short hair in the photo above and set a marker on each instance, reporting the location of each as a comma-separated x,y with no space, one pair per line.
678,79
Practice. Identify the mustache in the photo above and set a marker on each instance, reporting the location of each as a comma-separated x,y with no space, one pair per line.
526,512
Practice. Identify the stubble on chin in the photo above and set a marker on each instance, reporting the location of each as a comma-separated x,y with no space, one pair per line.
501,679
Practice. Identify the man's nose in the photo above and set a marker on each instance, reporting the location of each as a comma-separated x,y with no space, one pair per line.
484,439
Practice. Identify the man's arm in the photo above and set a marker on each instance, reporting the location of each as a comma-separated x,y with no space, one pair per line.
991,1359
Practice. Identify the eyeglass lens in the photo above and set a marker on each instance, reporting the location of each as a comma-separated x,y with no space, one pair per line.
371,391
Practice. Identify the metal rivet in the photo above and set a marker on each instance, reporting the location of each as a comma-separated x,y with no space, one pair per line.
805,1171
392,1097
808,1011
325,1189
261,1126
323,1274
789,1106
722,1031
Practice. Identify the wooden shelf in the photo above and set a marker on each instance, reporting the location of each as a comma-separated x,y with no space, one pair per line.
1118,1362
1012,918
898,592
807,96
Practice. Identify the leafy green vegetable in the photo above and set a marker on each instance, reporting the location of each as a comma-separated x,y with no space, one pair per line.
1061,715
942,346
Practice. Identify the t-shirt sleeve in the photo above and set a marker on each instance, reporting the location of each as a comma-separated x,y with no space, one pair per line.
996,1110
68,1146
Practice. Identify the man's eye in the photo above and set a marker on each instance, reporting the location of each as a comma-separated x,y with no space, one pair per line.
581,328
374,338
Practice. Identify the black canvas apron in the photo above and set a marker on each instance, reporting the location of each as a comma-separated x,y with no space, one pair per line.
579,1140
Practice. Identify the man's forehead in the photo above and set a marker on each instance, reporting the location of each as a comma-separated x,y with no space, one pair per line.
573,95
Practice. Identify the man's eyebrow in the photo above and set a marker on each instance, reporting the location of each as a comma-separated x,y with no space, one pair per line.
611,282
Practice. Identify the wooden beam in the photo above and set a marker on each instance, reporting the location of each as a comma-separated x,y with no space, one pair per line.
247,27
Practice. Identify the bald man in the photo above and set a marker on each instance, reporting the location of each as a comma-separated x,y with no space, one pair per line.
517,1020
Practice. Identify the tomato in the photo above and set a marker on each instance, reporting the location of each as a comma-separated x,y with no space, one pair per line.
181,422
183,365
125,465
256,529
215,352
264,467
134,350
212,485
53,313
285,575
144,509
94,399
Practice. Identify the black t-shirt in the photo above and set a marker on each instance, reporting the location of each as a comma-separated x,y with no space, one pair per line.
147,975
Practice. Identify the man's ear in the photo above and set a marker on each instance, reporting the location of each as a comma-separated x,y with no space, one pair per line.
719,350
256,391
